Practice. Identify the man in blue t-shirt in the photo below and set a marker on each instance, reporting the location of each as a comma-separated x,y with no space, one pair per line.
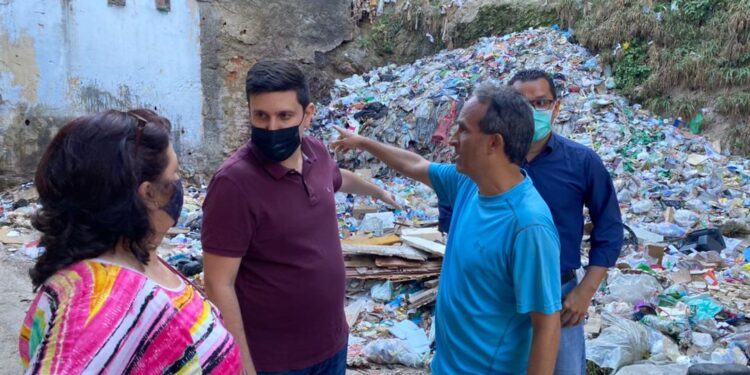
569,176
499,297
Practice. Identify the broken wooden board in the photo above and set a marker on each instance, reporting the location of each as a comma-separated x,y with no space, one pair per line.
423,224
405,252
384,240
421,298
428,266
430,234
394,277
359,261
431,283
428,269
424,245
395,262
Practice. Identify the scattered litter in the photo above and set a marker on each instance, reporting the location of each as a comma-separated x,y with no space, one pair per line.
680,295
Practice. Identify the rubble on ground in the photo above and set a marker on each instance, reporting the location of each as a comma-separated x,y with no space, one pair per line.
680,293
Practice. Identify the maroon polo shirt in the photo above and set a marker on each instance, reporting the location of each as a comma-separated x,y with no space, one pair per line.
291,281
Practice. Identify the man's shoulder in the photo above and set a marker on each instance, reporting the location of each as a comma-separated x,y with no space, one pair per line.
238,166
316,146
574,148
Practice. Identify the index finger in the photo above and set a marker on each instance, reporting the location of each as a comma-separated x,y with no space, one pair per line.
341,131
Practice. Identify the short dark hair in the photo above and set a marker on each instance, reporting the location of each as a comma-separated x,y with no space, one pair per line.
510,115
88,180
533,75
277,75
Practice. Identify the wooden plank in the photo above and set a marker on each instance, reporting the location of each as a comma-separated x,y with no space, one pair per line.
422,298
405,252
426,267
408,224
394,278
359,261
431,283
424,245
394,262
430,234
382,241
363,271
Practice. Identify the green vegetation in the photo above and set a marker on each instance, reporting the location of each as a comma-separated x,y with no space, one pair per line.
683,55
384,32
734,105
504,19
632,68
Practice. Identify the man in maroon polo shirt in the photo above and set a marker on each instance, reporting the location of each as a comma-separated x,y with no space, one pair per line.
272,256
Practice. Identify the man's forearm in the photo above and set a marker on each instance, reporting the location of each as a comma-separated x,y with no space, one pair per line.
544,346
593,278
353,184
226,300
402,161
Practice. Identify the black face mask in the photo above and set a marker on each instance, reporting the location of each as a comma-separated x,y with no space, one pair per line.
174,206
277,145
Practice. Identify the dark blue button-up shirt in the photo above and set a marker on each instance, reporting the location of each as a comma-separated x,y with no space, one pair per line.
568,176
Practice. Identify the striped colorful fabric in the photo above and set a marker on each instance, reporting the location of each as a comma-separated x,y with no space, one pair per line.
96,317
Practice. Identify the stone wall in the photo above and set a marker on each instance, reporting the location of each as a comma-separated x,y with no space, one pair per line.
64,58
188,60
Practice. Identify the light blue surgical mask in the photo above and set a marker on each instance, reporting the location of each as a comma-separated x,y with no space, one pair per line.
542,124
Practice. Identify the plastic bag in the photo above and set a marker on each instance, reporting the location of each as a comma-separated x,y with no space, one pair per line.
630,288
622,343
663,349
392,351
685,218
732,355
414,337
670,326
382,292
641,206
668,229
702,307
621,309
703,340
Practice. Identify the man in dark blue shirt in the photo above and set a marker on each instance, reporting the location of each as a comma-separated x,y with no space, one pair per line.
568,176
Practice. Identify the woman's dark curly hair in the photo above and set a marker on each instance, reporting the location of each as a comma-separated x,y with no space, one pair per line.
88,181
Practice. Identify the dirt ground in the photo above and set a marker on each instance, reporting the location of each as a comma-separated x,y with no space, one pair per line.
15,296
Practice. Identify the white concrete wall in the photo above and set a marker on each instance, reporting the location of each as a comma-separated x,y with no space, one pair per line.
64,58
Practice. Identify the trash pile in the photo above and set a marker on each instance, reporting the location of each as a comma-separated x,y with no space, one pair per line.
680,293
392,285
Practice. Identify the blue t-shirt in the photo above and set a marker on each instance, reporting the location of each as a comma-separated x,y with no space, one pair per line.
501,263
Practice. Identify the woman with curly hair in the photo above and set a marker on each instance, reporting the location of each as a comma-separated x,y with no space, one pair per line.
106,303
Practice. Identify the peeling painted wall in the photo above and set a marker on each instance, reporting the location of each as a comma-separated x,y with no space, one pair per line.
64,58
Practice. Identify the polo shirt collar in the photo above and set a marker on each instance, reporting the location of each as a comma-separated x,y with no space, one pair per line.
275,169
553,142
